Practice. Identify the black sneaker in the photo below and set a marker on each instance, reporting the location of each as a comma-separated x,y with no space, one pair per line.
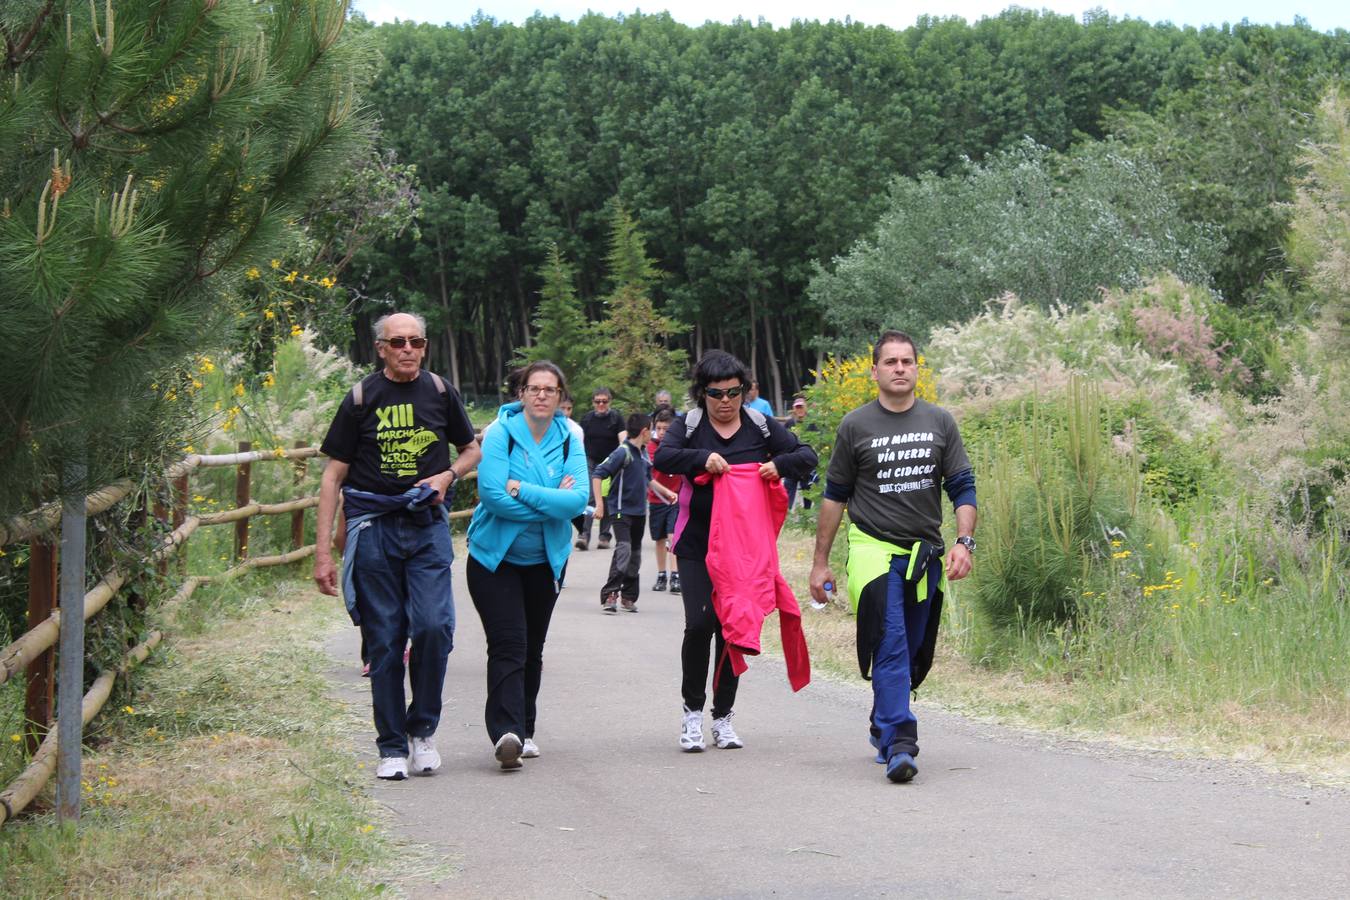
660,582
674,582
603,543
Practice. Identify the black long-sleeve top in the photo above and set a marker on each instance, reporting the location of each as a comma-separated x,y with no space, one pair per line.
681,454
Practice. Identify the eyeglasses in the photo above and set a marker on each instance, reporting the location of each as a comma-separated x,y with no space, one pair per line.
398,343
535,390
596,401
719,393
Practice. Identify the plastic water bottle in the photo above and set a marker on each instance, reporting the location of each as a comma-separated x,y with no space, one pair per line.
829,589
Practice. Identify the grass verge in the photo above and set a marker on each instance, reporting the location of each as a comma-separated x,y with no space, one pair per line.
227,772
1164,714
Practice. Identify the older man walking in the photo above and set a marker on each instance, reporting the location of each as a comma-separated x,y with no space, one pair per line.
389,456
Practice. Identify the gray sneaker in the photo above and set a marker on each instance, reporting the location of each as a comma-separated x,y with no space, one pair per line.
392,768
610,603
508,751
724,735
424,758
529,749
691,731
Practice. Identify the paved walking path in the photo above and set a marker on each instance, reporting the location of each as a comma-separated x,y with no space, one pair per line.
612,808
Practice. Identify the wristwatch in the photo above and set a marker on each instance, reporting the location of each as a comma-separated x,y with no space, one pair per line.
968,542
515,491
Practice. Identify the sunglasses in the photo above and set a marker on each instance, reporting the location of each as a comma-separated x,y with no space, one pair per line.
596,401
398,343
719,393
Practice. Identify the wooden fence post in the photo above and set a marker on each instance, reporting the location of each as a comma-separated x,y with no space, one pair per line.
298,517
180,505
241,498
41,674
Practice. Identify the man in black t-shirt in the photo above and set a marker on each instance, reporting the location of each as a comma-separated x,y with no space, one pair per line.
891,462
601,428
389,455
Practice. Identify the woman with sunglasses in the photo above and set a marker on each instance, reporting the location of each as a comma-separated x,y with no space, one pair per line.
531,482
726,434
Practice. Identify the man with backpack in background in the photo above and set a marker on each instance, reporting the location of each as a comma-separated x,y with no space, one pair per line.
602,427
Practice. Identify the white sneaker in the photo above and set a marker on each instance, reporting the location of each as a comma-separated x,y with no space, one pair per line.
508,751
724,734
691,733
529,749
392,768
425,759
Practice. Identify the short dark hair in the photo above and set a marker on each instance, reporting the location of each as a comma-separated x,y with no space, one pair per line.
603,391
716,365
663,413
522,375
636,422
891,336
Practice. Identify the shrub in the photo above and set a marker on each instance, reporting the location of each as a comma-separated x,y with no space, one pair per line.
1052,500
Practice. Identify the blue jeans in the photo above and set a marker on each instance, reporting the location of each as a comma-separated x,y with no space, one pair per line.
403,591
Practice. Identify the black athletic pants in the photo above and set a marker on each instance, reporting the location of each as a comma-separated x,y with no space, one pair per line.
515,604
627,558
701,628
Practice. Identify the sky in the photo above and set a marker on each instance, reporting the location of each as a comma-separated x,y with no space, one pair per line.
1323,15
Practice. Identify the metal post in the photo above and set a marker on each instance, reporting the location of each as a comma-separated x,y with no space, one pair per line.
70,673
241,498
41,674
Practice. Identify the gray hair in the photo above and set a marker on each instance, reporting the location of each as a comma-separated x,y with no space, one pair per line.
378,327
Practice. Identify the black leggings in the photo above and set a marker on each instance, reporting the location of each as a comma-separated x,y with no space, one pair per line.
515,604
700,628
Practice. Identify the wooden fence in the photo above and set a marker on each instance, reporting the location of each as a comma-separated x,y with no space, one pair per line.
32,653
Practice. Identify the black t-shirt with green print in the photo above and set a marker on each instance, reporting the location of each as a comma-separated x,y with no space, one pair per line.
401,433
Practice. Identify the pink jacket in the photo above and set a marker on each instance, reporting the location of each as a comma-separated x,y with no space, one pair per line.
747,514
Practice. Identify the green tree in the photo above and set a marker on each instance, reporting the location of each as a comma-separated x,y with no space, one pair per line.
153,153
637,362
1050,228
563,334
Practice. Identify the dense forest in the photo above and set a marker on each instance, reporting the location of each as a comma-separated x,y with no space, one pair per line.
753,158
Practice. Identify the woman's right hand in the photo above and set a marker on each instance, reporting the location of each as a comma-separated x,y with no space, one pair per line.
567,482
716,465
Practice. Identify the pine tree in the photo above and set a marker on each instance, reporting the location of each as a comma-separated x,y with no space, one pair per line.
637,362
562,332
153,152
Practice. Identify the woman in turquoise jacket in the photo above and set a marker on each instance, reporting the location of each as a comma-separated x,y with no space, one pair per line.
531,483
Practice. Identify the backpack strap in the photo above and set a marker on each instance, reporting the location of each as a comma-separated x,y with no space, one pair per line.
438,381
695,416
359,390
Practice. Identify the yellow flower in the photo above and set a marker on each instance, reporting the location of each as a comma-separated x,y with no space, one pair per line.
253,273
1123,554
296,331
16,737
268,314
239,389
129,710
276,264
367,829
290,279
1115,543
269,381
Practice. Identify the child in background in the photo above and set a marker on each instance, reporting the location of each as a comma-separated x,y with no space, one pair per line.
628,469
662,506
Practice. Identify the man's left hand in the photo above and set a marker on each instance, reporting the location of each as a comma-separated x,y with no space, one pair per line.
958,562
440,484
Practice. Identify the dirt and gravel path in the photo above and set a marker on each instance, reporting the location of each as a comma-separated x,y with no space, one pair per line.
612,808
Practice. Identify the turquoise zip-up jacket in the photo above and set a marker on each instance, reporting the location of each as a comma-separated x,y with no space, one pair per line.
500,518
